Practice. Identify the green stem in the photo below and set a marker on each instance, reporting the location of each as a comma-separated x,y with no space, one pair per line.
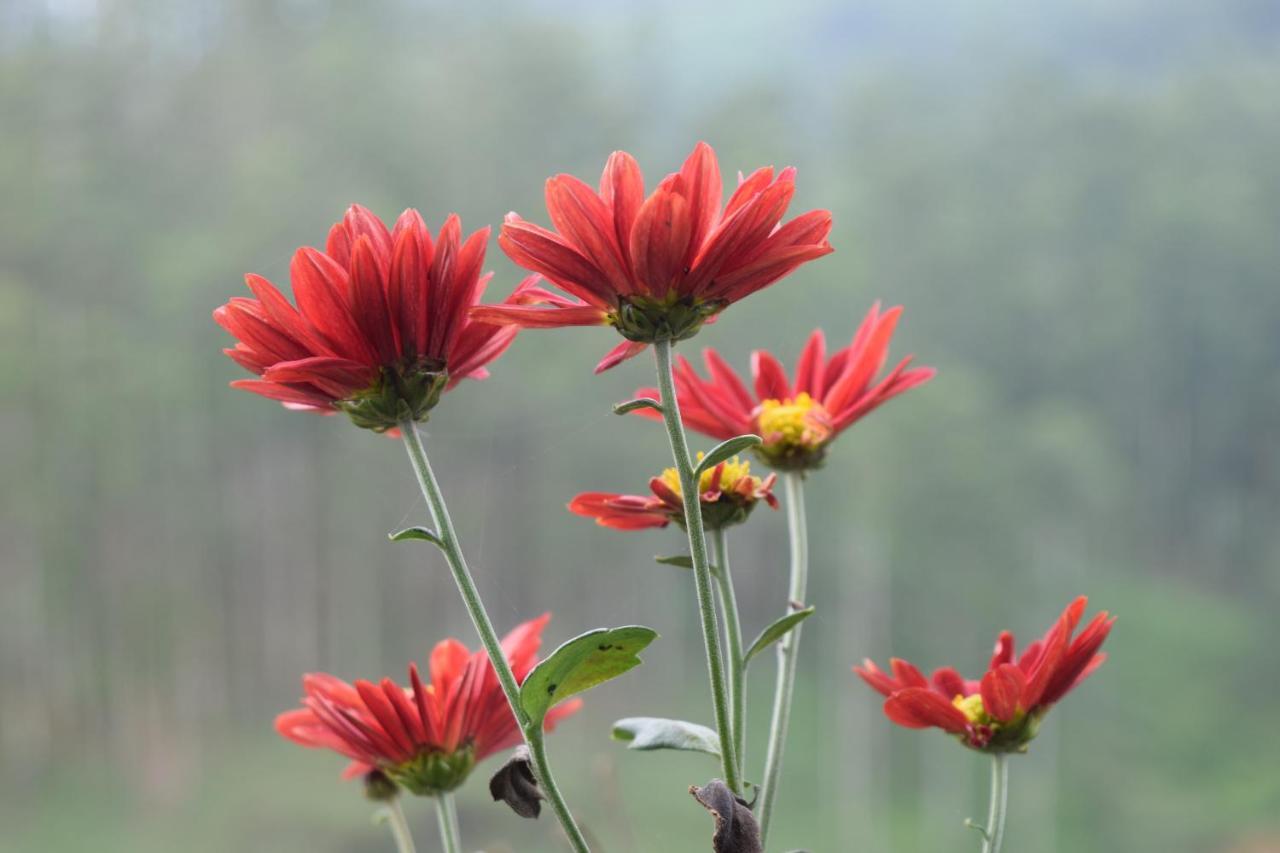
993,834
787,648
399,826
447,812
733,639
484,627
701,566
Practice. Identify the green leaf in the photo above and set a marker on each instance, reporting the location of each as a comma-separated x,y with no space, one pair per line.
724,450
647,733
416,533
776,632
639,403
580,664
682,561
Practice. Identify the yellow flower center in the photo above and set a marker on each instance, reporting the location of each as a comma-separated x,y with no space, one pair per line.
735,471
971,707
797,422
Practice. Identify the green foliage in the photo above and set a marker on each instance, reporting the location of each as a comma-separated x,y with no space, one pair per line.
776,631
647,733
580,664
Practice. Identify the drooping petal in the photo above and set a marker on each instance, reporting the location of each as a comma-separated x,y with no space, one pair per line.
921,708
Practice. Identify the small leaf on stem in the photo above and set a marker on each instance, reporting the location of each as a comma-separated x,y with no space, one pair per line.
515,784
724,450
736,828
776,632
683,561
417,533
638,403
645,733
580,664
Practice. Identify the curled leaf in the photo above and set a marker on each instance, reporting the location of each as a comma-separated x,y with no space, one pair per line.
580,664
638,403
724,450
515,784
417,533
736,828
776,632
647,733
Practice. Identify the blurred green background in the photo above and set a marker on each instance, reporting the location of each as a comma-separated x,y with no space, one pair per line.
1078,204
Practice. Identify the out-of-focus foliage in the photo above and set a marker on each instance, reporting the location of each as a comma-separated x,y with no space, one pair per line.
1078,203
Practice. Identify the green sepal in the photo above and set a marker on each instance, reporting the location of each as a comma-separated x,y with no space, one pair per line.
417,533
646,733
638,403
776,632
724,450
580,664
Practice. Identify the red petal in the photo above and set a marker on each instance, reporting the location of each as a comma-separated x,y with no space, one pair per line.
907,674
810,366
700,176
369,301
920,708
586,223
320,287
1001,690
538,318
770,376
660,239
622,188
541,251
408,280
619,354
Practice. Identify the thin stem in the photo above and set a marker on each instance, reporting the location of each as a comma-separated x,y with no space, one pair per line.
733,640
447,812
701,566
993,836
399,826
484,627
787,648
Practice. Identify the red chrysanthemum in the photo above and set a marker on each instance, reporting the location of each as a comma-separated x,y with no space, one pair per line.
426,737
1002,711
382,323
728,493
796,420
656,268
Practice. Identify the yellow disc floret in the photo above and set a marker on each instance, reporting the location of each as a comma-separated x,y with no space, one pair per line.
735,471
795,431
971,707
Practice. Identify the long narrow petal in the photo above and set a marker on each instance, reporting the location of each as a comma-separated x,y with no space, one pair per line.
700,176
921,708
619,354
585,221
368,297
622,188
541,251
1001,690
660,238
770,376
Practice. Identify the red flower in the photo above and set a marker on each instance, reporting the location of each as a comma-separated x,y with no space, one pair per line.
1002,711
656,268
381,326
797,421
728,494
425,737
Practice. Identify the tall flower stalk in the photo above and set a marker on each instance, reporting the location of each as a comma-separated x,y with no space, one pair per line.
788,648
993,832
701,565
733,644
394,817
447,815
448,540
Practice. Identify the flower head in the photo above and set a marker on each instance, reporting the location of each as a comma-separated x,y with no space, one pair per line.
425,737
656,268
381,326
728,493
1002,711
797,420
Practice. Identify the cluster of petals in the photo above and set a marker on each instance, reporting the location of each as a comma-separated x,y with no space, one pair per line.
1015,689
612,247
830,393
374,300
385,726
729,483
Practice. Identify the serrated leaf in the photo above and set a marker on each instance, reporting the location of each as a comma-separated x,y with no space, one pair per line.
645,733
724,450
776,632
416,533
638,403
580,664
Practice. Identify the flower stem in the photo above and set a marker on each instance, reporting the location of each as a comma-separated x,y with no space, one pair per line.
447,812
787,648
399,826
701,566
993,836
484,627
733,640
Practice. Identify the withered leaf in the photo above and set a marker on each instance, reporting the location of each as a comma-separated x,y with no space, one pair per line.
736,828
515,785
